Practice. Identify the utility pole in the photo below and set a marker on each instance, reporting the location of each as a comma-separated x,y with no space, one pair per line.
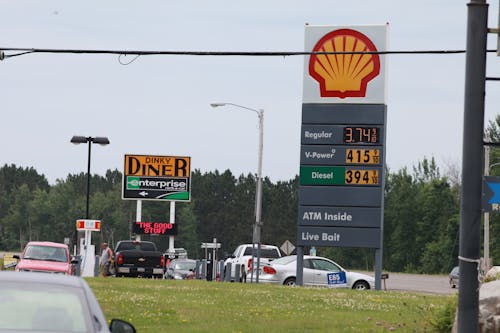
472,168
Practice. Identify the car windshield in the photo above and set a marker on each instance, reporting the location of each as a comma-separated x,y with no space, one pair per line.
47,253
45,308
185,265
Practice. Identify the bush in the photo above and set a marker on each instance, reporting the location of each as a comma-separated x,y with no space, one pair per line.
445,316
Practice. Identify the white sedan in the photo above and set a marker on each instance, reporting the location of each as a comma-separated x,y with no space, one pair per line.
318,271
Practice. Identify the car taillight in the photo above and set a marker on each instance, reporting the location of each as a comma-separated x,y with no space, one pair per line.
162,261
269,270
250,264
119,260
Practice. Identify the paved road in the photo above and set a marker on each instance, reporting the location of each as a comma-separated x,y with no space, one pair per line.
434,284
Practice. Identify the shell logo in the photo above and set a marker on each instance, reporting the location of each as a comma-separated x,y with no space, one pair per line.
344,75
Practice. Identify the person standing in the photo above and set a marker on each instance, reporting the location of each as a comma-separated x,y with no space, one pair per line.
106,259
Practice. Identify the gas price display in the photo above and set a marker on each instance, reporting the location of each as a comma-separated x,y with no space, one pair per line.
359,134
364,156
361,177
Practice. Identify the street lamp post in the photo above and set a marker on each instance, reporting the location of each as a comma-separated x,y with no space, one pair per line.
258,195
82,139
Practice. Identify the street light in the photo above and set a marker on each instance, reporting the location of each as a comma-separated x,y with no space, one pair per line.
258,194
82,139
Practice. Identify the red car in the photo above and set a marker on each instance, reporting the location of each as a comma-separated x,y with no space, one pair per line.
46,257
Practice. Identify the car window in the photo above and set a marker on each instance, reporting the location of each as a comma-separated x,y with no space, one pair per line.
44,308
325,265
185,265
237,251
264,252
41,252
146,247
308,263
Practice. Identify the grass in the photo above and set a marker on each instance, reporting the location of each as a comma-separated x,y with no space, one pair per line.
201,306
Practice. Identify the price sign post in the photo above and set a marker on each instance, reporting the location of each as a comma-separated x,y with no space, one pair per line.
343,142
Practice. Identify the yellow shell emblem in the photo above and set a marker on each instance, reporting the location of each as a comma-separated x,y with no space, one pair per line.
346,74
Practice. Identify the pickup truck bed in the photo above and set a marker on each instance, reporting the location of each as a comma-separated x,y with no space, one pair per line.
134,258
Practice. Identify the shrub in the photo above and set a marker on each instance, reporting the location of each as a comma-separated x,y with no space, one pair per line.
443,318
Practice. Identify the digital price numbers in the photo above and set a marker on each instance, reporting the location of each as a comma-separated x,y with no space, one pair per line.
361,177
365,156
357,134
339,175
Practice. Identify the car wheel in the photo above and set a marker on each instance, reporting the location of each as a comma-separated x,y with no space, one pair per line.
452,284
290,282
361,285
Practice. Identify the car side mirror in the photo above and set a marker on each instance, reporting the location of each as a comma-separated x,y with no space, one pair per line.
121,326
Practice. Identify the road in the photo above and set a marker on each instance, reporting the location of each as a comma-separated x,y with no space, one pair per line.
434,284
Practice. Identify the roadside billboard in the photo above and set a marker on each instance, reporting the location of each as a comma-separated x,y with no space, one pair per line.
153,177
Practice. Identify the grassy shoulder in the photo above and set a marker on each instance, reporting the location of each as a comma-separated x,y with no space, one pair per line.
201,306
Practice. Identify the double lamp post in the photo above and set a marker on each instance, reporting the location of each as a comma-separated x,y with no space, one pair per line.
82,139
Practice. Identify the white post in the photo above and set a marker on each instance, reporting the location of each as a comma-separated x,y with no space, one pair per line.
172,220
138,217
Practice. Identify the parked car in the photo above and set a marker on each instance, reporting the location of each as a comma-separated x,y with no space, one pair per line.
46,257
318,271
454,274
179,253
38,302
181,269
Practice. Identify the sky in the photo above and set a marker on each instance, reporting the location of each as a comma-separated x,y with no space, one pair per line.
160,105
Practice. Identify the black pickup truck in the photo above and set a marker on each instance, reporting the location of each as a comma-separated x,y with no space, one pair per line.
136,258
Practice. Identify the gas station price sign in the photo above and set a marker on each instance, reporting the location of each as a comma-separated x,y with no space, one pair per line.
339,175
362,177
362,156
361,134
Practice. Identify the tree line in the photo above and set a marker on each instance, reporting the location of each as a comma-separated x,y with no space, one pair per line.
421,213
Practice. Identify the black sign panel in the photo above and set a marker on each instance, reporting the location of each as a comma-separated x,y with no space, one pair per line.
342,237
155,228
367,217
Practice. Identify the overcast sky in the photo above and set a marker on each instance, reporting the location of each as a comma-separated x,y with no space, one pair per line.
160,105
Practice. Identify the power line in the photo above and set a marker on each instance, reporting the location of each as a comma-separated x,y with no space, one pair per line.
23,51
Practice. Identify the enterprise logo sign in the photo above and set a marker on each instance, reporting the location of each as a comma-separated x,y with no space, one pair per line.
156,184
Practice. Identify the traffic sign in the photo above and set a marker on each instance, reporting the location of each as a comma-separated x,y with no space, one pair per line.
151,177
491,193
287,247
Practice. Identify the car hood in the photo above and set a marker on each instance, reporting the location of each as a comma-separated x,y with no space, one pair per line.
353,276
41,265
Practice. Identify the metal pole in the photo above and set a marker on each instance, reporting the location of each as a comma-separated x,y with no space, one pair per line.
486,241
470,207
258,192
258,199
87,214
